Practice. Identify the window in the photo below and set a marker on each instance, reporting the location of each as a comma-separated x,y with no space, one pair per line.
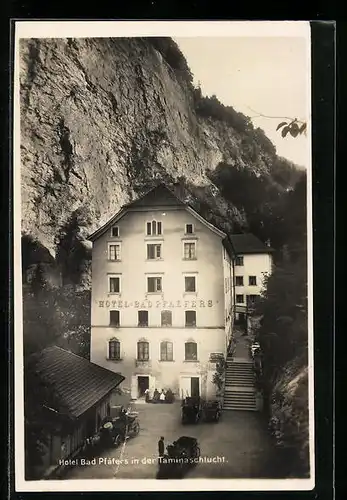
189,229
114,284
239,261
154,251
114,251
143,351
115,231
190,318
189,251
251,299
114,349
154,285
252,280
240,299
239,280
166,318
114,318
143,318
166,351
191,351
153,228
189,284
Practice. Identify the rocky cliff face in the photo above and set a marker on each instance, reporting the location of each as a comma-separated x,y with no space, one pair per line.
101,121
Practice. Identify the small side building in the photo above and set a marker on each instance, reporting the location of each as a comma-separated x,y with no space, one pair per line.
66,397
253,262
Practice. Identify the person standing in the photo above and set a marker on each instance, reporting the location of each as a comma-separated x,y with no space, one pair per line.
162,396
161,447
147,395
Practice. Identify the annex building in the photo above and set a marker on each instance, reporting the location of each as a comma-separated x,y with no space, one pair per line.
162,296
253,262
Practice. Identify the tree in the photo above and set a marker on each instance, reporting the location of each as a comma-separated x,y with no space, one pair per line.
219,376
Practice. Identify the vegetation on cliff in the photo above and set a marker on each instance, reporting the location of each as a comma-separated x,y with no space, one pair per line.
283,336
105,120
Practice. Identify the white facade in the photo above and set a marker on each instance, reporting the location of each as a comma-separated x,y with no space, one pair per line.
161,303
250,275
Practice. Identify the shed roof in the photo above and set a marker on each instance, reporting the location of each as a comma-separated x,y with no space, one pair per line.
77,383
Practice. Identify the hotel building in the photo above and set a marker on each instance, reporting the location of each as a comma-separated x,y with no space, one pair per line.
162,296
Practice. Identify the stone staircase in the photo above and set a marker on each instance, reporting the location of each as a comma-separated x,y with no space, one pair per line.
239,392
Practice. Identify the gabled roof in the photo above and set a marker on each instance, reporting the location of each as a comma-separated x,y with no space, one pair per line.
248,243
76,383
159,196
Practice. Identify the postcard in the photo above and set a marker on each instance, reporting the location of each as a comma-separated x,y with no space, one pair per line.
163,256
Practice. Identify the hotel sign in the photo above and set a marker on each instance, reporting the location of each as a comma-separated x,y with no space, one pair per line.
157,304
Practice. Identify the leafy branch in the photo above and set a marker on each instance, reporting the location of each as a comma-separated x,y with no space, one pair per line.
291,126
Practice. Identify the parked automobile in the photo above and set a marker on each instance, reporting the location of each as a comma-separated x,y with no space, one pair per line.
116,428
181,455
211,411
191,409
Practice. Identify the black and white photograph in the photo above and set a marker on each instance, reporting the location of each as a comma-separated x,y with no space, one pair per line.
163,256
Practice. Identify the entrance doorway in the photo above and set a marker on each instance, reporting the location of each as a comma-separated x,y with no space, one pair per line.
142,385
195,387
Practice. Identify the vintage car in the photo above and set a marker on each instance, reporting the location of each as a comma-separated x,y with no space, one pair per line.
118,426
191,409
211,411
181,455
187,447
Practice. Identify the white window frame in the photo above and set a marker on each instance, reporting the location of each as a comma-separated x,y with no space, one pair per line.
189,224
110,324
243,261
112,235
109,276
240,294
138,317
191,242
191,341
243,280
156,232
113,339
155,276
190,275
249,301
166,360
155,243
161,318
140,341
249,280
185,318
109,245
